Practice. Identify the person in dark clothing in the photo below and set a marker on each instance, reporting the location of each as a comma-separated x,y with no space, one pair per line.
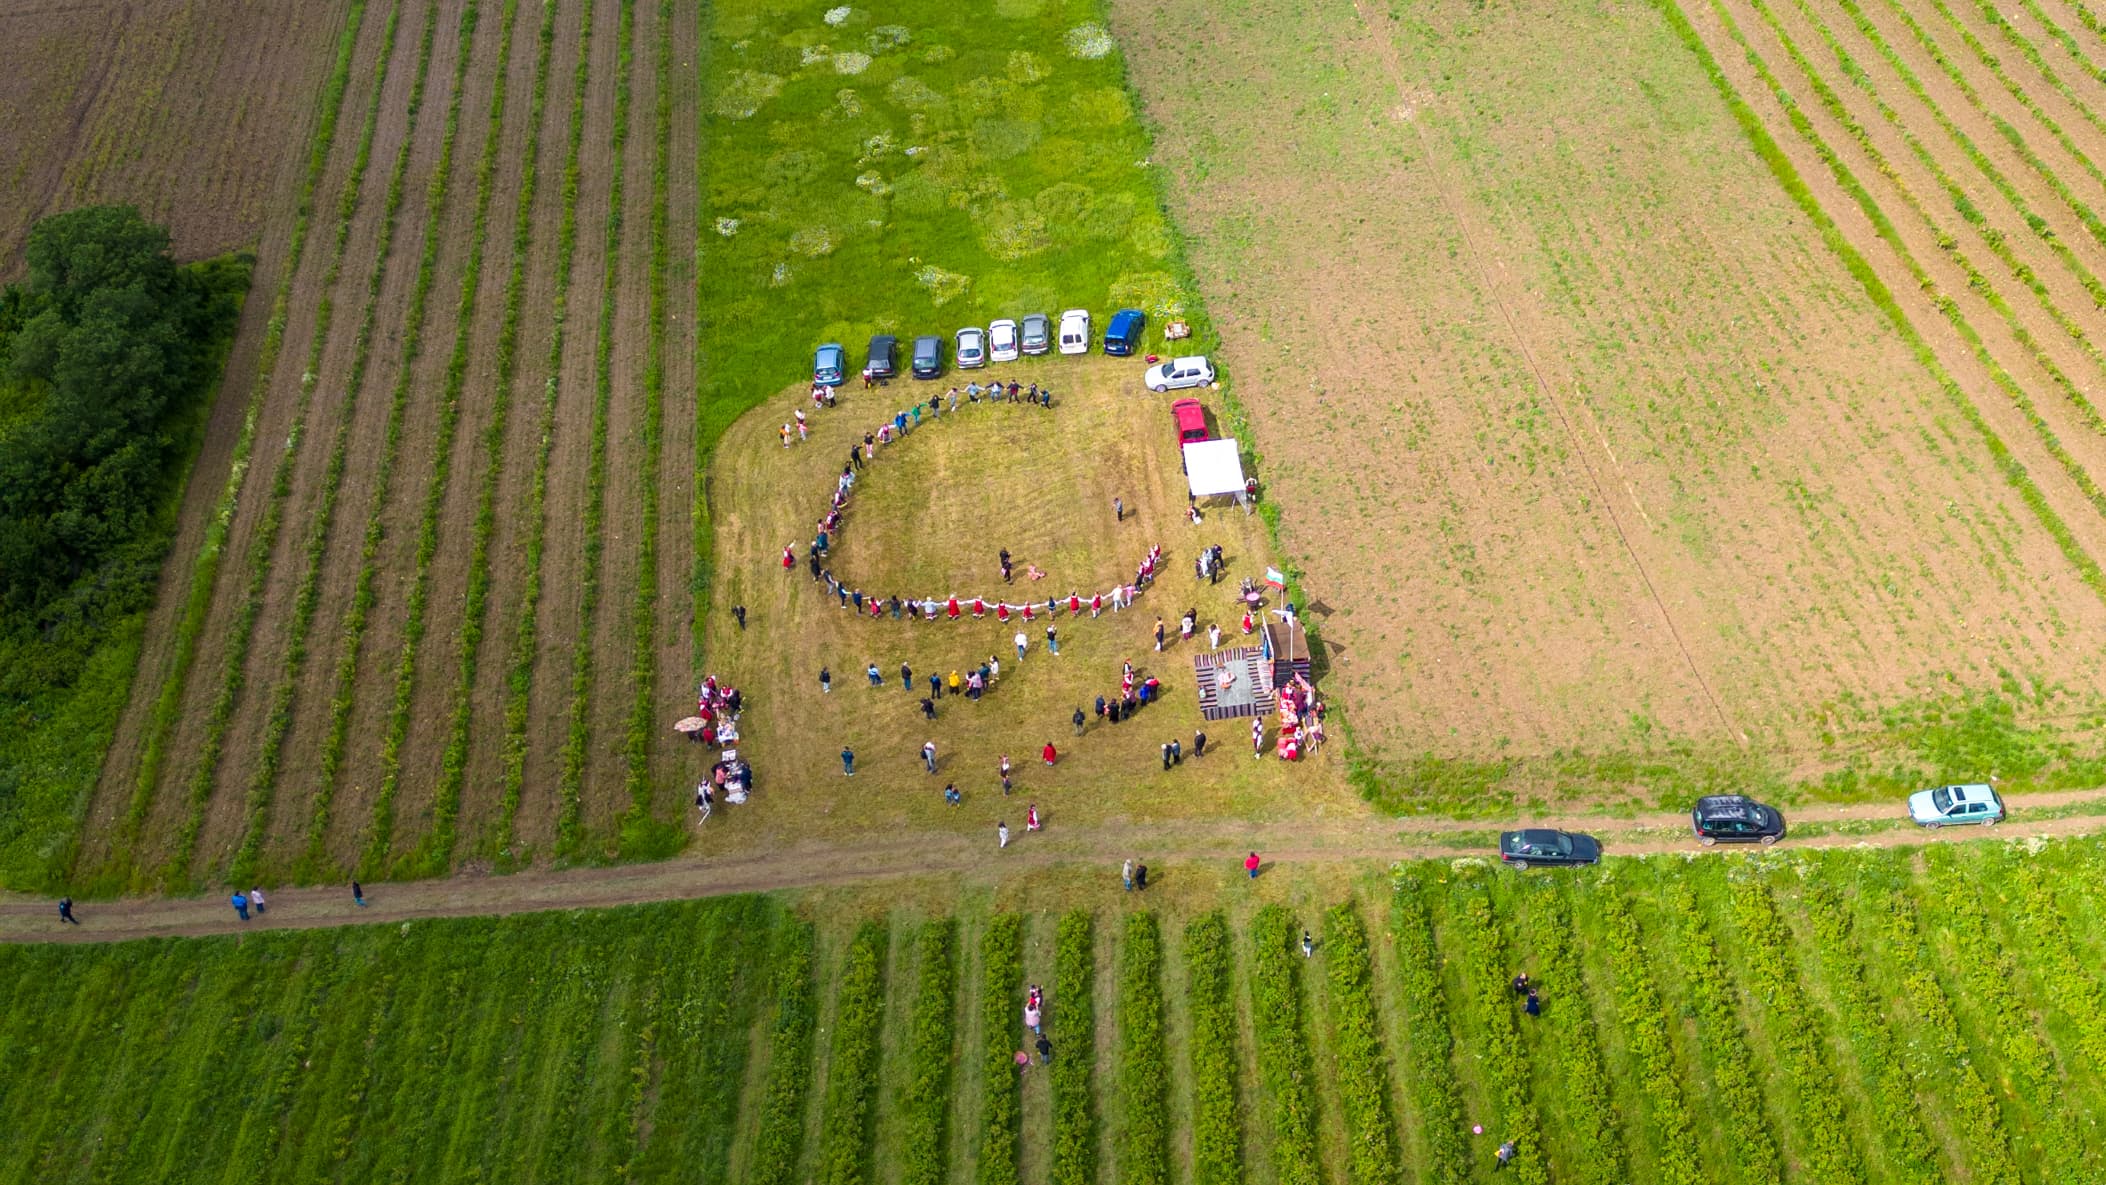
1504,1156
1113,711
65,911
1534,1006
1045,1049
906,678
1140,877
1521,985
1177,752
928,708
812,561
1100,707
826,680
1199,744
1079,719
1166,755
935,687
358,894
739,611
855,457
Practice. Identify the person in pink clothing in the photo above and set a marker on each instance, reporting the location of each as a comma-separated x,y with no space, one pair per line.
1049,753
1250,865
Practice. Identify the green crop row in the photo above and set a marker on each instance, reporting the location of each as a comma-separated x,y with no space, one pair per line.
475,607
639,838
263,780
1795,1033
1996,240
243,630
1285,1070
1001,1092
204,575
288,457
1356,1044
1910,1152
1990,1160
584,666
434,852
1430,1072
1766,149
851,1067
1074,984
1590,1116
1210,987
1645,1033
2013,1027
2010,33
1144,1065
1716,1011
2069,984
519,674
924,1153
1480,956
781,1126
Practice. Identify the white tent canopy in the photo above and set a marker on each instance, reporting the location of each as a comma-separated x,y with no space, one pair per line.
1213,467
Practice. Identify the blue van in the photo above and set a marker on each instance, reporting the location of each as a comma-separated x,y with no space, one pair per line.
1124,333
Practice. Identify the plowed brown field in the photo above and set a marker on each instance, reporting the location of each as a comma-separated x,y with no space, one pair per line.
1615,479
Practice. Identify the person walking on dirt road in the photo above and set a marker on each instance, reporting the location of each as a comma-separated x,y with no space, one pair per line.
65,911
241,904
358,894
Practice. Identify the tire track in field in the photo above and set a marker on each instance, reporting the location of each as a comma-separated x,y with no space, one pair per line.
1495,291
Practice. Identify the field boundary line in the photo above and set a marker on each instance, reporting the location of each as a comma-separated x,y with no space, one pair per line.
1441,185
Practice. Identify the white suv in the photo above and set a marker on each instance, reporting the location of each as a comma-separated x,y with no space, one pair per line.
1075,331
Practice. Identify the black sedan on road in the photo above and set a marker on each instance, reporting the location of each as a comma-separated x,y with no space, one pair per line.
1525,848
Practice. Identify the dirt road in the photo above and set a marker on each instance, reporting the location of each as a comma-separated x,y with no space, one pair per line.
33,919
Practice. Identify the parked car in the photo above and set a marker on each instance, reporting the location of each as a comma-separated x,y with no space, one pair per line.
1734,818
1953,806
1037,333
928,356
972,349
1075,331
1179,373
1124,332
1524,848
829,363
1191,421
1001,341
884,356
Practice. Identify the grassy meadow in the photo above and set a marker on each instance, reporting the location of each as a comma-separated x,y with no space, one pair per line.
1919,1015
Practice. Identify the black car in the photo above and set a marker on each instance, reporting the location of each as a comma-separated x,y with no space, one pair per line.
884,356
1524,848
928,356
1733,818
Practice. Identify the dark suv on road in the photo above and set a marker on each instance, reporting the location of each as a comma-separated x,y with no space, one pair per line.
1732,818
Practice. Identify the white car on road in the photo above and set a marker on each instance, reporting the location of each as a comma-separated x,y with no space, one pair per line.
1179,373
1075,331
1001,341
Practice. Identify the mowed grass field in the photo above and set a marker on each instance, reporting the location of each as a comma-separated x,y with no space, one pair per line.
447,564
1653,431
1899,1016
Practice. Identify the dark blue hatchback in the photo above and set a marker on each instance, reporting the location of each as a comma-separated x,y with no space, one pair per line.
1124,334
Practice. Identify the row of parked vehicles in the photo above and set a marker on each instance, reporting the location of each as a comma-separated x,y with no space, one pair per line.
1005,341
1734,818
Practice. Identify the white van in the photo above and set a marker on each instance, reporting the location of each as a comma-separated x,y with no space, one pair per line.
1075,331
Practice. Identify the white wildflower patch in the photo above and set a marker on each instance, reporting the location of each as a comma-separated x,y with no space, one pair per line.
874,184
727,227
813,242
851,62
944,286
916,149
1089,42
838,16
781,275
1025,67
814,54
744,92
877,147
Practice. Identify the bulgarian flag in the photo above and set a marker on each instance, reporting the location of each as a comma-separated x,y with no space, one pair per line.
1275,578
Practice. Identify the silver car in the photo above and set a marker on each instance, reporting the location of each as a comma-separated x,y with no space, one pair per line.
1038,333
972,348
